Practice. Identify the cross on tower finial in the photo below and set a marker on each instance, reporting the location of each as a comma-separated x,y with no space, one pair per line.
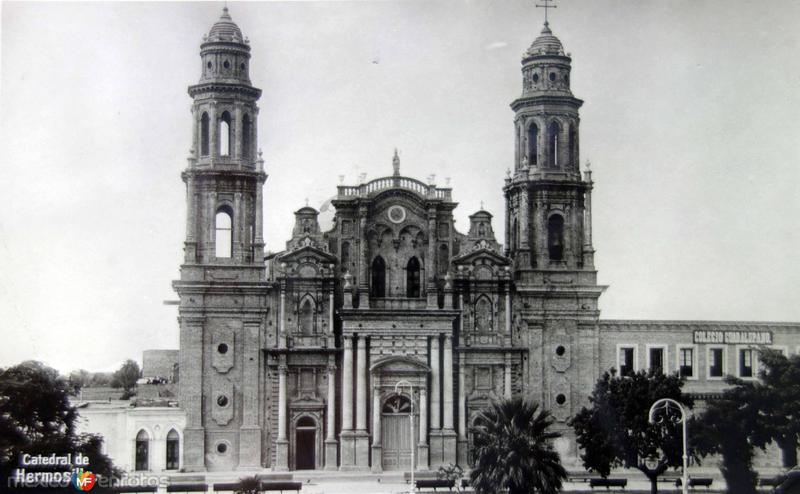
306,201
481,205
547,5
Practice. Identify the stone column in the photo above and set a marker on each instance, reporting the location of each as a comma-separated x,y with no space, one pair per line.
507,377
347,384
588,249
213,123
422,447
435,389
363,281
347,458
462,400
524,215
330,438
447,372
258,242
376,430
361,385
361,435
282,444
190,246
430,263
237,228
282,321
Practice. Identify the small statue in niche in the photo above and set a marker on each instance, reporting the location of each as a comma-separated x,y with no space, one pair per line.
481,230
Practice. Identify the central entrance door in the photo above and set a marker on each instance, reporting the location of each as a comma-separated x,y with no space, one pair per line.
305,444
396,437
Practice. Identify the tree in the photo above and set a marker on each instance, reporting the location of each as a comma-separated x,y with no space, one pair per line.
79,379
615,432
126,376
36,417
779,396
732,426
512,445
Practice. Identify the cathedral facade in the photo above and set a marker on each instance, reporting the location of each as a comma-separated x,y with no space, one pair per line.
316,357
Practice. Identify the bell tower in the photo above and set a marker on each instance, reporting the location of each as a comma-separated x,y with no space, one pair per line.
223,309
548,233
225,175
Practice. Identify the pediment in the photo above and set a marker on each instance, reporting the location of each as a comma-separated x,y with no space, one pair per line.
399,364
308,253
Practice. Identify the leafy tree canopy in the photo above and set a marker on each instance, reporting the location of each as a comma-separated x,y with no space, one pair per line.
615,432
36,417
126,376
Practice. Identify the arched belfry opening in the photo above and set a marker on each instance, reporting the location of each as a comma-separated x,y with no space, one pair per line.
533,144
555,237
552,144
204,134
413,278
247,129
223,233
225,131
378,274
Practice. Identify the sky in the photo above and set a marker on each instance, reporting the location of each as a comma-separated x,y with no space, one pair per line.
690,122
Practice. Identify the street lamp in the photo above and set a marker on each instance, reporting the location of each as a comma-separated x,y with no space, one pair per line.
397,387
663,405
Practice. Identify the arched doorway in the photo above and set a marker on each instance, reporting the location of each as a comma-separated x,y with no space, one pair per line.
142,450
397,438
305,457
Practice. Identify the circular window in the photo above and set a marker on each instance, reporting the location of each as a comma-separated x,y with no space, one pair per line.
535,78
222,400
222,348
560,350
226,64
222,448
397,214
209,65
561,399
552,76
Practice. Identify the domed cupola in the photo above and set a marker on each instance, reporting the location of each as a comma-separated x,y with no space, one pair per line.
225,52
546,112
545,66
225,29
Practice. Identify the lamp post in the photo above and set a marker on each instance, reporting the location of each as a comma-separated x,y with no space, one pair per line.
397,387
663,405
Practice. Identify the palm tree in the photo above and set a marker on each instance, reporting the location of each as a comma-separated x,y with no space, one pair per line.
513,449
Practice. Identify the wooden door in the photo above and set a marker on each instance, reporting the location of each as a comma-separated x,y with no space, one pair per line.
396,441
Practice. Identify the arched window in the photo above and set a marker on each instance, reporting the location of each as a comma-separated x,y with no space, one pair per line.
397,404
533,144
412,278
223,233
204,134
555,237
307,317
345,256
443,261
142,450
246,131
573,150
552,140
378,288
483,314
173,450
225,134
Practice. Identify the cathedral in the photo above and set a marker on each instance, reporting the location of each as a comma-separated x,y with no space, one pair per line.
315,357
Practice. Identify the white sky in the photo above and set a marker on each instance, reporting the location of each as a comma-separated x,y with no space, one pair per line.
690,121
